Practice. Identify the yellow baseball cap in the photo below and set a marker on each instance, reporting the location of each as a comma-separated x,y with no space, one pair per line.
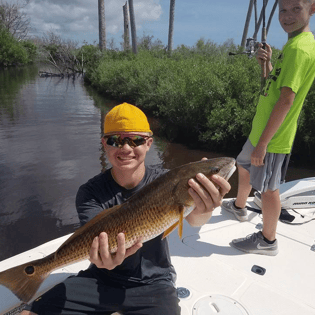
126,118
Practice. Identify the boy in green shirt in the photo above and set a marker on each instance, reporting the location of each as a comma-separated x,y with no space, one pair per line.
275,123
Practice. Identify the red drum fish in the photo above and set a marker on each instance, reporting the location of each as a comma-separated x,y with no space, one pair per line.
158,208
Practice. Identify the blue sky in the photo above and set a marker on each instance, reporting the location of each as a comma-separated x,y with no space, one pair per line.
213,20
217,21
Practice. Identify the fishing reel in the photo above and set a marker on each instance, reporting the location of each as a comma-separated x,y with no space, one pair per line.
250,46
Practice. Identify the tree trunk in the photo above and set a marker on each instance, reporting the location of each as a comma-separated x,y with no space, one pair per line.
171,26
101,23
133,27
126,27
248,17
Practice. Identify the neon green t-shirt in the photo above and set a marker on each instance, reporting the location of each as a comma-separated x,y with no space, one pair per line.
295,68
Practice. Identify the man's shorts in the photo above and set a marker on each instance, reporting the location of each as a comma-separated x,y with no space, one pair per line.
267,176
86,293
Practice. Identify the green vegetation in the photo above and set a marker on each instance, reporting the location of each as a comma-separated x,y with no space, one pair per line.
198,92
13,51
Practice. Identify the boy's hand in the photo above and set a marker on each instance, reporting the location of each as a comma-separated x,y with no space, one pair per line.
206,197
258,155
102,258
264,55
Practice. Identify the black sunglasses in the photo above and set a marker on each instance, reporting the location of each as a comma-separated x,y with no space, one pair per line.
133,141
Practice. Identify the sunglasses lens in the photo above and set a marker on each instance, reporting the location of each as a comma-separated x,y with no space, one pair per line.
113,141
138,140
133,141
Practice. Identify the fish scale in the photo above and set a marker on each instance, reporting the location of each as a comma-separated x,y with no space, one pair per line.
158,207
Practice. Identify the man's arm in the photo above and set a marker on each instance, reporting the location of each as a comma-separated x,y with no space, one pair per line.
276,118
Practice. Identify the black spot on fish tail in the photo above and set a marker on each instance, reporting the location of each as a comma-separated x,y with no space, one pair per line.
23,280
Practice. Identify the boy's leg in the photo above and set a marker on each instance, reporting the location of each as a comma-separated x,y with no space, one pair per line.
271,208
244,187
81,294
238,206
153,299
266,179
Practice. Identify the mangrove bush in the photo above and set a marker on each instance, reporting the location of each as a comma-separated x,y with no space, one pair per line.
13,51
201,95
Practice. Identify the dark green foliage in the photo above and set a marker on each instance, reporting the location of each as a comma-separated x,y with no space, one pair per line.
88,55
200,94
15,52
31,50
12,52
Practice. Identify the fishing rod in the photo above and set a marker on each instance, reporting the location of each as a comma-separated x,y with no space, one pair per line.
264,42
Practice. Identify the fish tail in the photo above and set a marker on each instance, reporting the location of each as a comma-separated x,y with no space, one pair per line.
24,280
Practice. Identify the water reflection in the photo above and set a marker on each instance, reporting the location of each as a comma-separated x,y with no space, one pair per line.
49,147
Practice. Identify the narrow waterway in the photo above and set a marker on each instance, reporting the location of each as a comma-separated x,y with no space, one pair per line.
50,130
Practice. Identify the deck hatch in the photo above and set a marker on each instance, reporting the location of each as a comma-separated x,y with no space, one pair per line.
218,304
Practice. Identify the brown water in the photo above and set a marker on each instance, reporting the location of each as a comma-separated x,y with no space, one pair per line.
50,144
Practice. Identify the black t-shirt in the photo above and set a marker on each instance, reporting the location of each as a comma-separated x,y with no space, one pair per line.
152,261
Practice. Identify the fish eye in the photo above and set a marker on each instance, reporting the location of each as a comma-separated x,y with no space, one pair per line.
29,270
216,170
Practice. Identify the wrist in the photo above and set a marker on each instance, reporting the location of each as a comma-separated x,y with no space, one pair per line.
262,144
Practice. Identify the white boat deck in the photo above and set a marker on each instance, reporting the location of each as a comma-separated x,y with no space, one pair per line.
218,276
210,267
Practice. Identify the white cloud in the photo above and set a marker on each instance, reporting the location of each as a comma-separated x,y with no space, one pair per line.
79,18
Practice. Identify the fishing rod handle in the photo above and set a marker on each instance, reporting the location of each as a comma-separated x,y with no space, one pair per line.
264,64
264,37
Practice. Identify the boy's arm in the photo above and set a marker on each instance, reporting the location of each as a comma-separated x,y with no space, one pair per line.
276,118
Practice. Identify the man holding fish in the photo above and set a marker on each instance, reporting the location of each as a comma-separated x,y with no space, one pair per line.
141,278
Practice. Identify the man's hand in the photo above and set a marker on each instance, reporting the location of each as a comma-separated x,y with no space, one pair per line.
102,258
206,197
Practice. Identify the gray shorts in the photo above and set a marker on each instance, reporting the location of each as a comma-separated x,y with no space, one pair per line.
263,177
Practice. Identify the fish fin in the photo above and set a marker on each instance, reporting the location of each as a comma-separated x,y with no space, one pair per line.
181,222
24,285
170,230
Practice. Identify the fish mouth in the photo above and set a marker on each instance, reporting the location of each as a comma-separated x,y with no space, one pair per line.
230,173
227,170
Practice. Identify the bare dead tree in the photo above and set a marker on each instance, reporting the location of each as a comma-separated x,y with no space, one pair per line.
248,17
101,23
61,55
126,27
171,26
14,19
133,27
